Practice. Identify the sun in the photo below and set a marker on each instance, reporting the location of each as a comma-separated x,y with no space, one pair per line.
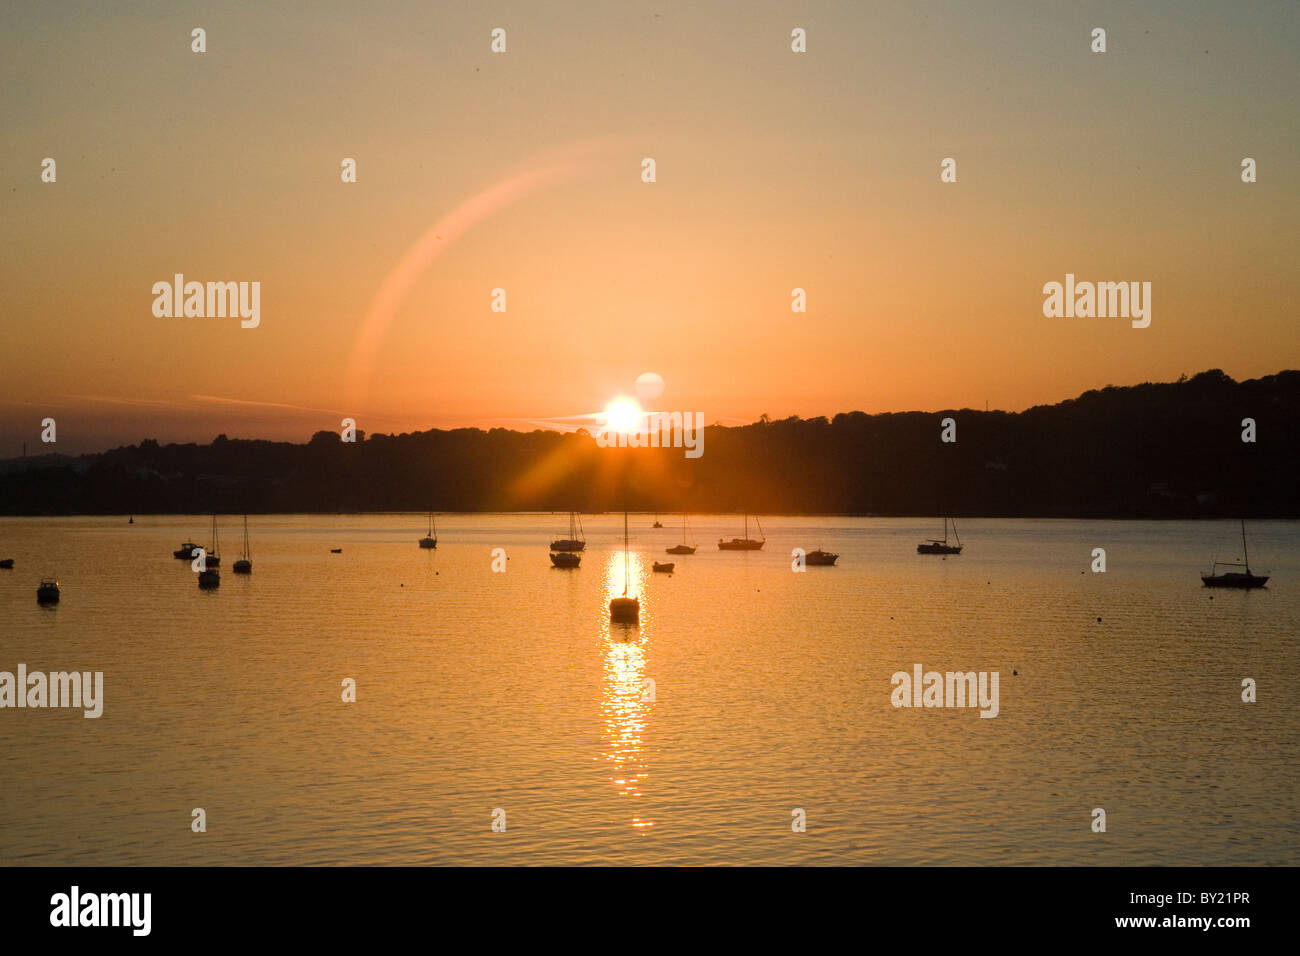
623,415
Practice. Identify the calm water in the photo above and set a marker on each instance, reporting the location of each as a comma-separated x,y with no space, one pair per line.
481,690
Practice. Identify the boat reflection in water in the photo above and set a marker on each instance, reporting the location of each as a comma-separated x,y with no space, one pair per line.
627,698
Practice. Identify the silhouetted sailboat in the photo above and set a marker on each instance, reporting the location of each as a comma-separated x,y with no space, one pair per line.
683,548
626,610
245,563
576,541
1235,579
431,539
942,547
746,543
213,558
48,591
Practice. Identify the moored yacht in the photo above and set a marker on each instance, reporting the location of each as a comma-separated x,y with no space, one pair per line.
683,548
625,610
1234,579
935,546
576,541
746,543
430,540
245,563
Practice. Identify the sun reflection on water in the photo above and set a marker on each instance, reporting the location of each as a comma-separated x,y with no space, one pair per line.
627,700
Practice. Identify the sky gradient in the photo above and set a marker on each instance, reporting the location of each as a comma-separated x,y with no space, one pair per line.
775,170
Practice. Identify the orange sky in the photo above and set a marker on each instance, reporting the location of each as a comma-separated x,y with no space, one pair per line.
775,170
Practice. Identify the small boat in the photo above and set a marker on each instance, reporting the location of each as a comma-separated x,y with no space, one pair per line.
576,541
625,610
6,563
48,592
131,520
663,567
683,548
942,547
746,543
185,551
1234,579
245,563
209,578
820,558
566,559
336,550
430,540
657,523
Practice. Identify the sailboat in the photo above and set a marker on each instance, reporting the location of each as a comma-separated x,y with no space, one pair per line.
942,547
210,577
683,548
746,543
431,539
625,609
245,563
213,557
1235,579
576,541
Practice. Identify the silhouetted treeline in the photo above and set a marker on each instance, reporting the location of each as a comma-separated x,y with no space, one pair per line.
1154,450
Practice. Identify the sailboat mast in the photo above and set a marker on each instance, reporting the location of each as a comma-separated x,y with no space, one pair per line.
627,567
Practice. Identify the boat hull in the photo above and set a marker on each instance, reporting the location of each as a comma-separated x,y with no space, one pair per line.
568,546
428,542
209,579
681,549
1234,580
665,568
625,610
7,563
820,559
741,544
938,549
243,567
47,595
